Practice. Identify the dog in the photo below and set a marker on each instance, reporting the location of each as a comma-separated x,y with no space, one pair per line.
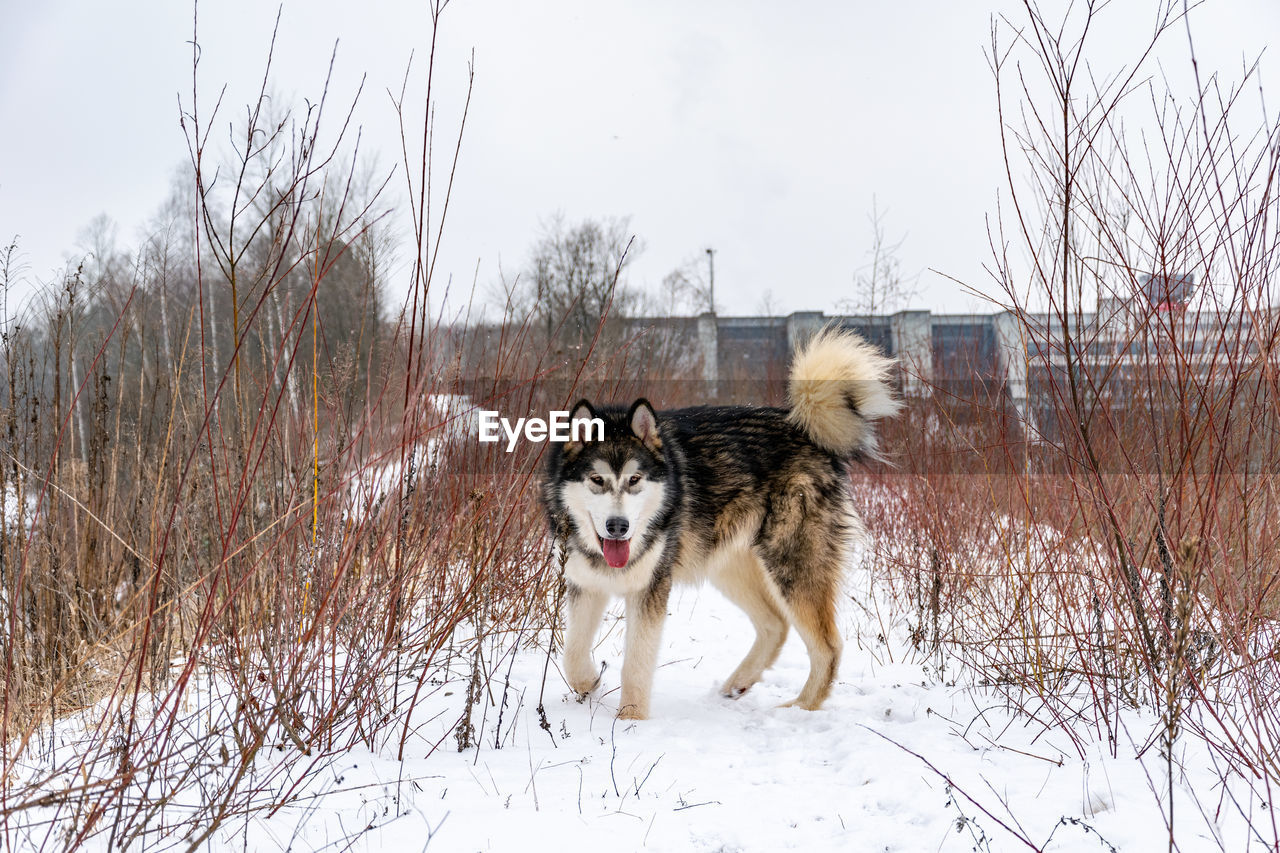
754,499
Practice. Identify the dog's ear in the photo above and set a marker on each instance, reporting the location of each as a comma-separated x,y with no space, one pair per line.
582,411
644,423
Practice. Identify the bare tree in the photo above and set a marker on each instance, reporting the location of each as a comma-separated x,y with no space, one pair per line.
687,288
574,282
768,304
880,286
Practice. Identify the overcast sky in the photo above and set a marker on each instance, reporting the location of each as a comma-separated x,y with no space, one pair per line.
762,130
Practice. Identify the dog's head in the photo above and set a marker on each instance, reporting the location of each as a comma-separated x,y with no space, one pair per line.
613,487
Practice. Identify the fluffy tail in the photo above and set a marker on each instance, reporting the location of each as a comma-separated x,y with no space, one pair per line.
839,388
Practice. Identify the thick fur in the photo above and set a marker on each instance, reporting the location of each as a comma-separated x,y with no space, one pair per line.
839,386
754,499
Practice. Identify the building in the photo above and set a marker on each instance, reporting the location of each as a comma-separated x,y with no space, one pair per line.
1006,361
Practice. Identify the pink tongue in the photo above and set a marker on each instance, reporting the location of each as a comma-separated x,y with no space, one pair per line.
616,551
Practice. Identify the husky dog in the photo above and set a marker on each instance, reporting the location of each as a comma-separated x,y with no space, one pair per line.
756,500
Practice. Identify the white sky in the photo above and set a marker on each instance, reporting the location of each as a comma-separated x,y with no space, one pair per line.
760,129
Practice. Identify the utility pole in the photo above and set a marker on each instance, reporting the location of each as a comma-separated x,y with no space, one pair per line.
711,261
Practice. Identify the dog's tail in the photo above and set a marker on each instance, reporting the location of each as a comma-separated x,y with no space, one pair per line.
839,388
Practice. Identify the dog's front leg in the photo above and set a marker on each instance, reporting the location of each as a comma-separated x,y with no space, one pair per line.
585,609
646,612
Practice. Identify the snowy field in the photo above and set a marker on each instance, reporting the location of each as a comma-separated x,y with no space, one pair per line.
894,762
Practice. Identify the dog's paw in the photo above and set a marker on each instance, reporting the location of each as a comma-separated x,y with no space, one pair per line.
585,681
632,712
581,692
734,691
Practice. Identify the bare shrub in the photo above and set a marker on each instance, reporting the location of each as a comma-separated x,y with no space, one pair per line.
242,508
1102,533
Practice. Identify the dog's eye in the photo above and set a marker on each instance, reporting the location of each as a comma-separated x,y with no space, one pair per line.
596,479
635,478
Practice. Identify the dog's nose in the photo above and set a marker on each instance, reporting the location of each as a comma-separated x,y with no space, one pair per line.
616,527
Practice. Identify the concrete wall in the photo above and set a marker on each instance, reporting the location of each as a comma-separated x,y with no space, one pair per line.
725,342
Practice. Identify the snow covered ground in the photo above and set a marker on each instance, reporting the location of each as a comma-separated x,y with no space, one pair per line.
868,772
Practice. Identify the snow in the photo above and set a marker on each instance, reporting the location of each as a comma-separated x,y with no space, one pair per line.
452,417
893,762
15,513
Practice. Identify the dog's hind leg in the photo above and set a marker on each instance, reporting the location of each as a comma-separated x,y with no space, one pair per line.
646,611
812,608
803,542
586,608
743,581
